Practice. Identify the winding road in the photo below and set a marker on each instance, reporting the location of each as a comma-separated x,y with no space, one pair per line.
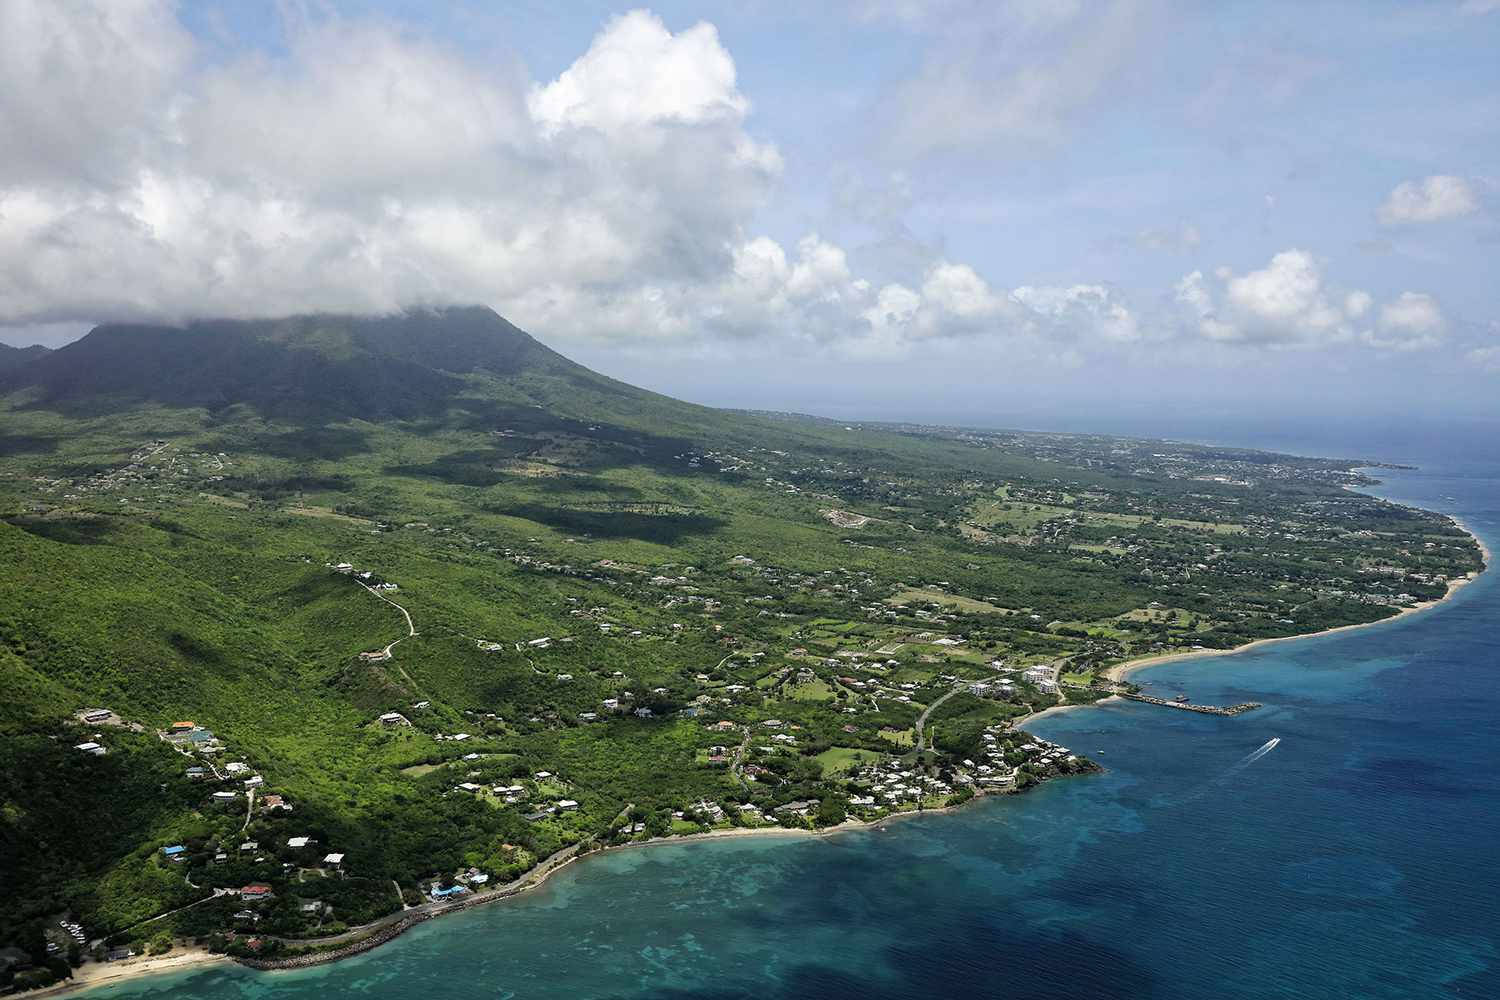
922,719
411,630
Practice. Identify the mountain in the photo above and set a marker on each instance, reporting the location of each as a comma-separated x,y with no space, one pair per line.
15,357
303,367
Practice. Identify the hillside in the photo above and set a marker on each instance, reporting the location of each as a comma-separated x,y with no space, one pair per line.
15,357
304,367
629,616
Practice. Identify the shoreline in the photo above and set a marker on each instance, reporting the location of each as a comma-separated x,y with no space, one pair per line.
85,977
1120,671
196,957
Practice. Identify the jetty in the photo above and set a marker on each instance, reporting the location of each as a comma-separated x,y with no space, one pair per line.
1189,707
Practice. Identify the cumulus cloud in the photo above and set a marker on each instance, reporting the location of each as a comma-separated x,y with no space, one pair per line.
366,168
638,74
1289,303
1411,322
1432,199
75,80
1092,308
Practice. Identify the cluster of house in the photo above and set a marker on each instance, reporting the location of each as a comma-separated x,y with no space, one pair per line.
891,783
1041,678
366,577
515,794
95,717
1047,754
992,689
709,812
191,736
463,883
259,892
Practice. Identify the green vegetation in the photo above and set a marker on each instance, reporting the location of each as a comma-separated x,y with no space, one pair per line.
633,617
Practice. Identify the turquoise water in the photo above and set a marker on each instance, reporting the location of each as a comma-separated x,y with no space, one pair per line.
1356,859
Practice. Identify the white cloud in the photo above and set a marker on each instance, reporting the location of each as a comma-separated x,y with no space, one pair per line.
74,81
957,290
365,168
1084,309
1288,303
1284,301
637,73
1432,199
1411,322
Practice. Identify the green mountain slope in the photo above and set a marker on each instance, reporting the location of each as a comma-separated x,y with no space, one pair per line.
306,367
628,606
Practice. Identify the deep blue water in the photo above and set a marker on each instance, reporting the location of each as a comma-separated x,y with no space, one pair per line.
1359,858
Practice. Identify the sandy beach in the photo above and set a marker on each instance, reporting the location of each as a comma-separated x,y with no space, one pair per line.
1120,671
101,973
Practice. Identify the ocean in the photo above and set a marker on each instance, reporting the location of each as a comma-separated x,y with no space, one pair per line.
1355,858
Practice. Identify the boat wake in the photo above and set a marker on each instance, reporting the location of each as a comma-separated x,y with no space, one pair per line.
1219,780
1257,755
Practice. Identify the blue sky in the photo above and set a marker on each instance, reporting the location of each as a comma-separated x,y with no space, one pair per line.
1056,214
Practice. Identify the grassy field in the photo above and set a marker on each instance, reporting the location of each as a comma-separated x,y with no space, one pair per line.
837,760
915,595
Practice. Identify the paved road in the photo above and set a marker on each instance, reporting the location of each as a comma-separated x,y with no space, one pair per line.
216,894
922,719
411,629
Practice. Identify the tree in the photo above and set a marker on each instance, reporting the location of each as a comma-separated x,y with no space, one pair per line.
831,811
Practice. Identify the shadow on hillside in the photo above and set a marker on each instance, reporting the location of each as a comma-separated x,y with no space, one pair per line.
70,530
664,529
26,444
279,487
310,444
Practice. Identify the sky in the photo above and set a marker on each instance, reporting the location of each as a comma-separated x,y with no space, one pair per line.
1083,215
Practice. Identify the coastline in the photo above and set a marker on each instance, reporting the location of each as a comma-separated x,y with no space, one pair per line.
92,974
99,974
1120,671
113,973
